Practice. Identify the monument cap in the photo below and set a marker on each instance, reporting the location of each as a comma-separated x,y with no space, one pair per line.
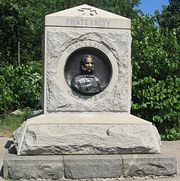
87,16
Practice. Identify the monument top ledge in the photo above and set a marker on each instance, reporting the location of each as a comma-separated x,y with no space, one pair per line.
87,16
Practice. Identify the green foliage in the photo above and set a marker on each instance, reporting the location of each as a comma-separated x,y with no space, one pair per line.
23,21
14,29
20,86
170,16
171,134
156,84
121,7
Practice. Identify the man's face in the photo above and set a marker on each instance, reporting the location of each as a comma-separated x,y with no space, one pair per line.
89,64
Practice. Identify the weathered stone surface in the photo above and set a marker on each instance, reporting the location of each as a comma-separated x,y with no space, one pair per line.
92,166
61,42
33,167
88,166
145,164
72,133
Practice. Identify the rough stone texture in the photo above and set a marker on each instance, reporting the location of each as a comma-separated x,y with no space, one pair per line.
70,133
62,38
145,165
169,148
88,166
33,167
60,43
92,166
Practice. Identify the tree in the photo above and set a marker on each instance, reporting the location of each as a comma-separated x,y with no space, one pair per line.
156,93
23,21
12,27
121,7
170,16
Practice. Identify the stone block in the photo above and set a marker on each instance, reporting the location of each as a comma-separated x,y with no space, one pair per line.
88,166
85,16
142,165
33,167
92,166
75,133
67,34
61,43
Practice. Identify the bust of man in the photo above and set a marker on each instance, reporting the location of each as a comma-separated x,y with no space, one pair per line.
87,82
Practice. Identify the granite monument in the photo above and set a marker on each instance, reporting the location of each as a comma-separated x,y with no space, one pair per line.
86,125
87,89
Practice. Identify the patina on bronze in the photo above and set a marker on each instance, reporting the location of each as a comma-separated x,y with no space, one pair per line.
87,71
87,82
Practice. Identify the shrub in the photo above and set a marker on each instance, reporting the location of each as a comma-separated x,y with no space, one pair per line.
156,93
20,86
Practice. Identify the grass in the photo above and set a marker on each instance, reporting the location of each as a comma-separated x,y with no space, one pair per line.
10,122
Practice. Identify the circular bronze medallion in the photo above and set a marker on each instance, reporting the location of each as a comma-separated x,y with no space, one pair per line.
88,71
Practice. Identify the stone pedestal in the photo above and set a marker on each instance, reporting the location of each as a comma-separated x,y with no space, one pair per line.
85,133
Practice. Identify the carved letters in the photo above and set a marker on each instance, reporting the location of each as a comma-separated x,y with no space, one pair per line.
88,22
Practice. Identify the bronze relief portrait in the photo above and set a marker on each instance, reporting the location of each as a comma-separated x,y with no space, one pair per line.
88,71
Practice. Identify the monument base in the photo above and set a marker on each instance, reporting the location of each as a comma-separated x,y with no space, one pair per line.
64,167
85,133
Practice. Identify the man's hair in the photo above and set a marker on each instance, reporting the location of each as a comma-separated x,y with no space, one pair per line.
83,61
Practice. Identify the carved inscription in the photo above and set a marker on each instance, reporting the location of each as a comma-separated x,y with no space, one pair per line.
88,22
87,44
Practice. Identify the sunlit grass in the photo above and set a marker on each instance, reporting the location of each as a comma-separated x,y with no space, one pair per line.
10,122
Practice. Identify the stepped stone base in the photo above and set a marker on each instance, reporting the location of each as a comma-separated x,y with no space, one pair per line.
88,166
85,133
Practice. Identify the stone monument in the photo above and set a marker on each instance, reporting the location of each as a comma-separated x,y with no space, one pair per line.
87,92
